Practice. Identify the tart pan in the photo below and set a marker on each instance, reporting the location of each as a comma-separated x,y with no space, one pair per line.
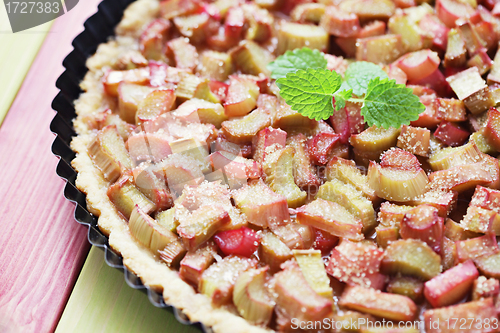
98,28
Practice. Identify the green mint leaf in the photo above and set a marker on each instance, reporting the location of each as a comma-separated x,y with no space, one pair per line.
294,60
358,75
388,104
341,97
310,91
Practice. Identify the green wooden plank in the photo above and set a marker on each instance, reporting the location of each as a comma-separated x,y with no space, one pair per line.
17,53
103,302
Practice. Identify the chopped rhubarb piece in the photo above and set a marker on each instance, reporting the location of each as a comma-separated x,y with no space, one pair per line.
449,11
107,118
265,139
312,267
369,10
386,234
375,139
196,27
183,53
278,167
448,319
219,89
476,247
217,281
179,170
460,178
109,154
397,183
351,199
251,58
484,288
308,12
148,147
286,118
443,201
358,268
488,199
241,96
166,218
324,241
216,65
433,25
456,231
391,214
451,157
405,24
330,217
451,134
374,302
428,118
172,8
152,235
482,144
320,145
304,173
456,53
348,44
260,23
450,109
293,235
153,38
481,61
172,253
197,110
261,205
492,128
451,286
494,75
473,42
411,257
479,220
202,224
348,121
449,256
435,81
415,140
471,89
424,223
295,298
379,49
406,286
112,79
242,130
192,148
243,242
235,20
153,187
418,64
346,171
339,23
154,104
489,265
125,196
211,194
195,263
295,35
130,60
130,96
251,296
273,251
191,86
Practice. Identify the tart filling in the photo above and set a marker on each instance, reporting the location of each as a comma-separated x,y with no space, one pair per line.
250,216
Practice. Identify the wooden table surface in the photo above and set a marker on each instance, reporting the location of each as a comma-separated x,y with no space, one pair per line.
49,280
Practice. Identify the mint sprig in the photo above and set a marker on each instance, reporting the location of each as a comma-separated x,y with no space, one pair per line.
310,91
294,60
317,93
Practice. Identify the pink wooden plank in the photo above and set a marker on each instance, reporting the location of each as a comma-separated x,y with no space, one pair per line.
42,249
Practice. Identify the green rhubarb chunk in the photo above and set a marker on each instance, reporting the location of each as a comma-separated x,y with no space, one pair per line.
411,257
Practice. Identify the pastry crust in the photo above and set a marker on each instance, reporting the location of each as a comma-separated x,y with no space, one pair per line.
90,181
